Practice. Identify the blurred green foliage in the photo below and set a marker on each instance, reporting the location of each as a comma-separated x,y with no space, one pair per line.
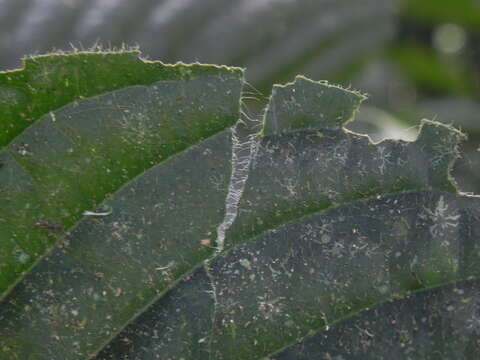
436,52
432,74
421,60
462,12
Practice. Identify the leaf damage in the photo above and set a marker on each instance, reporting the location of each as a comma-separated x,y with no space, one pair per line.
314,224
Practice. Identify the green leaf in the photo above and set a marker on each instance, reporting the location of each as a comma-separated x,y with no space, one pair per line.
328,225
301,279
46,83
294,280
314,164
116,265
462,113
73,158
396,330
307,105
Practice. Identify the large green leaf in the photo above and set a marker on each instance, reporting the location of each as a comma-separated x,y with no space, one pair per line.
293,281
73,158
46,83
329,225
314,164
298,280
441,323
117,265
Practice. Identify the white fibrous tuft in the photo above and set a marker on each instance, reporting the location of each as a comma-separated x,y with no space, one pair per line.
242,150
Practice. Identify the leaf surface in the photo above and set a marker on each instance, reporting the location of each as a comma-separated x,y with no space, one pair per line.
397,330
111,268
295,281
46,83
329,226
72,159
291,281
306,161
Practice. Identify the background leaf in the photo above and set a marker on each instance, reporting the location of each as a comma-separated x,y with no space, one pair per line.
284,37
